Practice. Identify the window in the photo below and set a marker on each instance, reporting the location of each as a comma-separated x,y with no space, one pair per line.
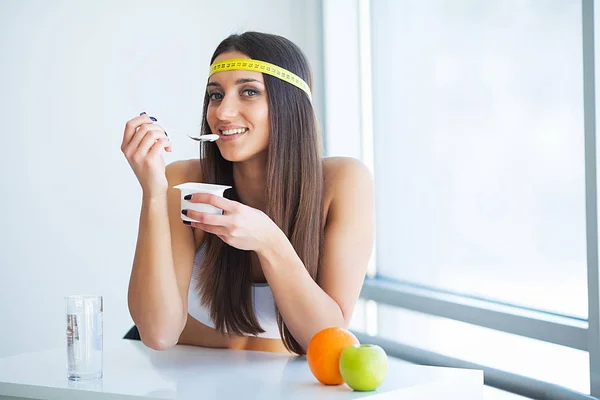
471,115
478,114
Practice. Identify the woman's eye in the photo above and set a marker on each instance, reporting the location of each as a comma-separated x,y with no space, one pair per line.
250,92
215,96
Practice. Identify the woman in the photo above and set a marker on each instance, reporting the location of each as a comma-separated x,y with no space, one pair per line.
288,256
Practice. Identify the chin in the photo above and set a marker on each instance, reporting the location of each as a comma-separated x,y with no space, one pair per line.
233,159
239,156
235,156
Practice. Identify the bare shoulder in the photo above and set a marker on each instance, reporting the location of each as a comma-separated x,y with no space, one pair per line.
347,183
184,171
344,173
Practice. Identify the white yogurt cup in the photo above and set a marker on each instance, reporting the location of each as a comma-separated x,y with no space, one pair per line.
194,187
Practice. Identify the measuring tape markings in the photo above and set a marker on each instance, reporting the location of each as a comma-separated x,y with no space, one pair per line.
261,66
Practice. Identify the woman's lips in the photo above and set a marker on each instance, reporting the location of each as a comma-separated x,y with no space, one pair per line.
229,138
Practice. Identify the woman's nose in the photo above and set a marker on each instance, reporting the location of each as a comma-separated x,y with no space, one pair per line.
228,108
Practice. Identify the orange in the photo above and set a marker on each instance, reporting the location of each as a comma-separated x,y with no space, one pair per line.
323,354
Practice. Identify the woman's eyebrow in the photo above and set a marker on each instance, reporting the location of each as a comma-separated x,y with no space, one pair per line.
238,82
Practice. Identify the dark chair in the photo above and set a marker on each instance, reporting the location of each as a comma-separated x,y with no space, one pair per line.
133,334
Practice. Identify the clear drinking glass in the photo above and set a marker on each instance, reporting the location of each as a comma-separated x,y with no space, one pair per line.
84,337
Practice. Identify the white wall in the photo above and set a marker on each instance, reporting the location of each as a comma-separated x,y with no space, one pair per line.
71,75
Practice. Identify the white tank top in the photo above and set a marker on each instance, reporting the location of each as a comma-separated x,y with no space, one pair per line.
262,297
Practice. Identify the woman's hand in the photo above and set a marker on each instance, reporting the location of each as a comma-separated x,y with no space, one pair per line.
240,226
143,142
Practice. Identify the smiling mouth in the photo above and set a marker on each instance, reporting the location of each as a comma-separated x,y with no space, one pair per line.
232,132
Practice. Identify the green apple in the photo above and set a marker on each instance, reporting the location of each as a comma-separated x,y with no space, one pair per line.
363,366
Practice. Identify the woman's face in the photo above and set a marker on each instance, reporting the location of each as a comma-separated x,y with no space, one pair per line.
238,111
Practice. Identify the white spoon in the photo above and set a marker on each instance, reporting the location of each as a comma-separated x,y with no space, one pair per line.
211,137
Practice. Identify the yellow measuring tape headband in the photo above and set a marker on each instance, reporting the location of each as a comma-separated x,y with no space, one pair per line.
260,66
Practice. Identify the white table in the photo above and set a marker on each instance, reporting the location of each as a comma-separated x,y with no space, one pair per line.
133,371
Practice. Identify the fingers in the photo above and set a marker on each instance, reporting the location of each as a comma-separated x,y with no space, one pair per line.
147,136
211,223
220,202
215,230
140,135
131,128
207,219
157,148
143,140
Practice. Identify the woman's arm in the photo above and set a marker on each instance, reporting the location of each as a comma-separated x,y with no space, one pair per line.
308,306
162,266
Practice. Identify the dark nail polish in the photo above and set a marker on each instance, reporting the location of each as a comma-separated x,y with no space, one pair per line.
142,113
184,212
187,222
153,119
187,197
166,134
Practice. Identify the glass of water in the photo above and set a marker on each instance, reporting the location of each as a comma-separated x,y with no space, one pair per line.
84,337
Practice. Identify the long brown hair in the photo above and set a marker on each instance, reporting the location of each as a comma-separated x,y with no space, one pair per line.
294,199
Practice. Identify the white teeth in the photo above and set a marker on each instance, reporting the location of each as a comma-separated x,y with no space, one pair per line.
233,131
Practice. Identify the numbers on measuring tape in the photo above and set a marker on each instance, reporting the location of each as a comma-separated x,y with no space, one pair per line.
263,67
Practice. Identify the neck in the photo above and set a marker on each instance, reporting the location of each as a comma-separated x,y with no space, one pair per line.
249,178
